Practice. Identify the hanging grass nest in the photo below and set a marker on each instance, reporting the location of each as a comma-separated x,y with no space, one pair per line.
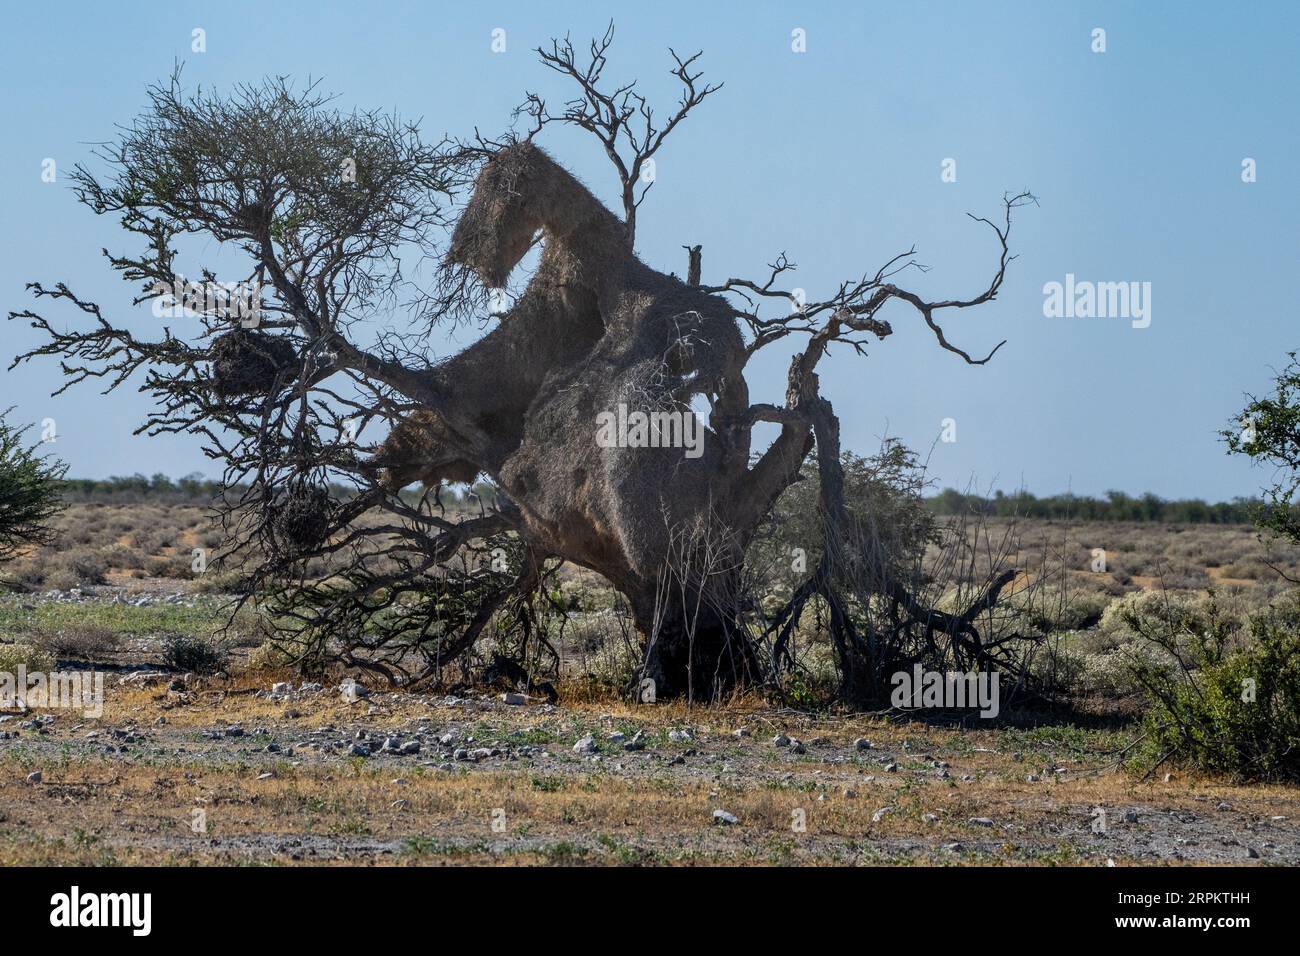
419,448
302,518
246,362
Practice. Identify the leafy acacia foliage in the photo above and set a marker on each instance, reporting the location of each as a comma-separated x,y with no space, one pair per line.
1269,432
29,495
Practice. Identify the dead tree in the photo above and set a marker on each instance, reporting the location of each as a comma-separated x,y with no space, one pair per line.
596,333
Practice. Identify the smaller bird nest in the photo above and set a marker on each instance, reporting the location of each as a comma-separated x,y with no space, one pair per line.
302,517
246,362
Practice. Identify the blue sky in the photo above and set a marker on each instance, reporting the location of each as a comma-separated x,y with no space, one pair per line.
833,156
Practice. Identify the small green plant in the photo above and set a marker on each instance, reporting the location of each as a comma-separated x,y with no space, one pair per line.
197,654
80,642
420,846
564,853
33,659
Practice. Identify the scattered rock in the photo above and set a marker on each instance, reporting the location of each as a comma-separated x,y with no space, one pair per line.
780,740
679,736
980,821
409,748
587,745
724,818
861,744
351,691
514,700
34,777
359,749
881,814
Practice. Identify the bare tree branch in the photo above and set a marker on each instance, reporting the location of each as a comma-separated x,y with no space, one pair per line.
621,118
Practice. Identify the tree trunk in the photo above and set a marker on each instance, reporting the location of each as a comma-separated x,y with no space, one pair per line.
694,647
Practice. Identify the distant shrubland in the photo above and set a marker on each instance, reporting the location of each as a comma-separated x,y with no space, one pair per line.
195,489
1115,506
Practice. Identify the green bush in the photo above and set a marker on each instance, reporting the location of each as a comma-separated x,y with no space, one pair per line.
33,658
196,654
1149,613
80,642
1229,709
882,494
1055,609
29,494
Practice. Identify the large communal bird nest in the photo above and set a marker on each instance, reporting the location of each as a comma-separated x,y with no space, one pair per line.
246,362
302,516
